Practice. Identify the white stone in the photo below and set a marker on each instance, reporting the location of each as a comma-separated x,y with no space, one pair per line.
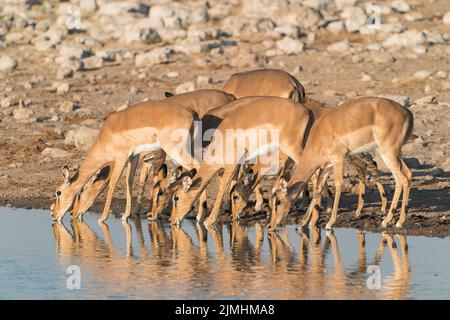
423,74
82,137
290,46
400,6
74,51
441,74
22,113
55,153
61,87
341,4
355,18
339,47
153,57
7,63
336,27
92,62
185,87
446,18
408,38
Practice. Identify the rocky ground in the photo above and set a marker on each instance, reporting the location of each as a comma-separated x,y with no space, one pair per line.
65,65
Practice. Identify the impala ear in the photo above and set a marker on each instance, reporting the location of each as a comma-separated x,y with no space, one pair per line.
176,174
168,94
66,174
162,172
187,183
95,176
248,178
283,185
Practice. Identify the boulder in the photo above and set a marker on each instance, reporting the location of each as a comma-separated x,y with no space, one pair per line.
82,137
153,57
290,46
7,63
55,153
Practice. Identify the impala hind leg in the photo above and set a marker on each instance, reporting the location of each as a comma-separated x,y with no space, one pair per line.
131,170
338,173
362,173
395,165
406,179
118,167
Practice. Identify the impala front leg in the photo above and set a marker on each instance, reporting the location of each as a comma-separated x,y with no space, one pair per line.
202,207
224,184
131,170
338,172
115,175
259,198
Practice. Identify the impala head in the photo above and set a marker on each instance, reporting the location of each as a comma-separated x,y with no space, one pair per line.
184,192
161,192
241,192
90,191
281,201
64,196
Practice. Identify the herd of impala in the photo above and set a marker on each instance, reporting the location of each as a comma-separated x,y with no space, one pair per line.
305,139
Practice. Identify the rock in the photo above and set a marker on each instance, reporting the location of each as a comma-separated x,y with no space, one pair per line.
172,74
437,172
92,62
433,37
153,57
446,18
400,6
339,47
420,49
6,102
366,78
355,18
408,38
336,27
149,36
7,63
64,72
67,106
87,7
341,4
185,87
412,163
442,74
204,80
297,15
22,113
243,59
55,153
423,74
427,100
82,138
61,87
290,46
74,51
403,100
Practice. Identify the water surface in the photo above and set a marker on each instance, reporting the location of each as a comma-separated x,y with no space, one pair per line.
141,260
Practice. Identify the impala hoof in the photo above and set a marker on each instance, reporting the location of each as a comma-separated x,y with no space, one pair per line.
328,227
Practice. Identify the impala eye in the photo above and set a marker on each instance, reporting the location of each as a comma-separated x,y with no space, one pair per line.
277,202
175,198
58,193
235,197
160,193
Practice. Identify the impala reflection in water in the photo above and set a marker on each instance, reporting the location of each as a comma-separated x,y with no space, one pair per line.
141,260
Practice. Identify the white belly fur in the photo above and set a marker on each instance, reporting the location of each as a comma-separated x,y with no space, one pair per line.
364,148
264,149
148,147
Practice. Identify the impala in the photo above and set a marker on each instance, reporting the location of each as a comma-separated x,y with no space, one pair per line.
357,126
